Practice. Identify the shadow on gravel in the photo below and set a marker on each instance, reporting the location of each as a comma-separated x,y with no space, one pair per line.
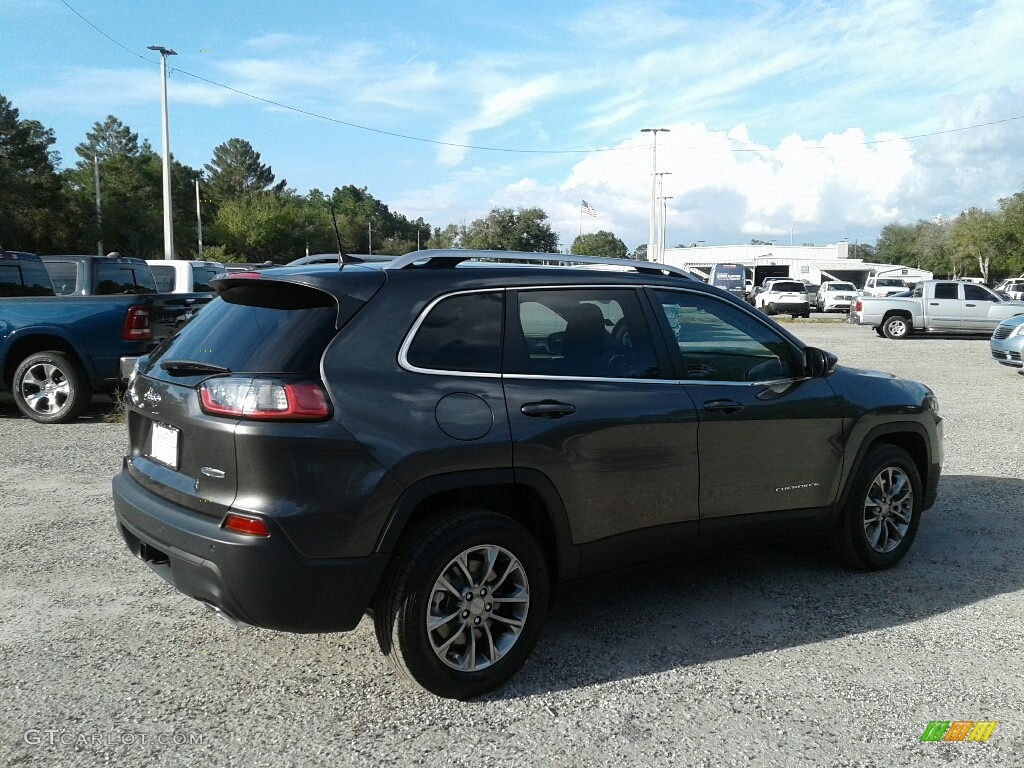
741,602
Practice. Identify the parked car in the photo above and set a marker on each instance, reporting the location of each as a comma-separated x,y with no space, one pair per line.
332,258
122,276
883,286
835,296
82,275
56,351
949,306
1013,287
184,275
1007,342
728,277
812,291
444,443
784,297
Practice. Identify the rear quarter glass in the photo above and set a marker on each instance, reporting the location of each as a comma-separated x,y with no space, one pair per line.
258,328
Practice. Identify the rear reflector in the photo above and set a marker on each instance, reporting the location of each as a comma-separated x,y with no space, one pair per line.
136,324
264,399
250,526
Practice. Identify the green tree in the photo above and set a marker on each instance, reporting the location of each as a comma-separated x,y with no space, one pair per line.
131,194
974,237
31,203
111,138
270,226
640,253
897,244
236,170
504,229
599,243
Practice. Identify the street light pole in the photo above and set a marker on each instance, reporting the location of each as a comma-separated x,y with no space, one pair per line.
168,222
651,243
664,226
659,230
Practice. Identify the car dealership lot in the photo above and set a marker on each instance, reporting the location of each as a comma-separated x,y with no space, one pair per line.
771,656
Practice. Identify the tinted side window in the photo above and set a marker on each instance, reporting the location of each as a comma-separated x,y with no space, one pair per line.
586,332
718,342
201,277
64,275
461,333
977,293
946,291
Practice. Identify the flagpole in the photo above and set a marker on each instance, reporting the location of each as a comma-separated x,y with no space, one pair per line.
581,217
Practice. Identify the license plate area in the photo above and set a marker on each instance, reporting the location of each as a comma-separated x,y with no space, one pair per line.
163,446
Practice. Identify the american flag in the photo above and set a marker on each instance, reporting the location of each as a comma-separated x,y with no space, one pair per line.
587,208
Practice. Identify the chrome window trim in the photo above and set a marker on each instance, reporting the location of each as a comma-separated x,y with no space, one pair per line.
403,359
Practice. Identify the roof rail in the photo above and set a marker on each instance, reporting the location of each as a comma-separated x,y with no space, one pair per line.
451,257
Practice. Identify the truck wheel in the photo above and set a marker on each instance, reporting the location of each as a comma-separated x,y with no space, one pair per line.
897,327
464,602
770,308
50,388
878,523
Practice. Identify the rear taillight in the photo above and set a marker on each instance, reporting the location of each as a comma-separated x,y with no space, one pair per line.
264,399
136,324
250,526
858,306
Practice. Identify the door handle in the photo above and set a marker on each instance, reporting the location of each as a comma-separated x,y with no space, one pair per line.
970,305
548,409
934,303
722,406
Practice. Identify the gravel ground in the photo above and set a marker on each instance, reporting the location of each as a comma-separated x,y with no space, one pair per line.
762,657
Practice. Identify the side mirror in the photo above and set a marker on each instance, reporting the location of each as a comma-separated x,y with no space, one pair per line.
818,362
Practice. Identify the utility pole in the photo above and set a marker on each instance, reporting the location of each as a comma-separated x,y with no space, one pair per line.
664,225
199,221
652,245
99,214
168,220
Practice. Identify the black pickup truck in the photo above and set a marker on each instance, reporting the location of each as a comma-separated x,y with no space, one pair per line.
55,351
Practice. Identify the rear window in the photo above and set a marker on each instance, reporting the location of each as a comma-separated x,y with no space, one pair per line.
260,328
890,282
787,287
64,275
201,277
164,276
24,278
121,277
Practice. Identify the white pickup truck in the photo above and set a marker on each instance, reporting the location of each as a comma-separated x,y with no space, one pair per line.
949,306
184,276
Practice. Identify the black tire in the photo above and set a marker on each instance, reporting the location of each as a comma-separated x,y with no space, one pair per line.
882,510
897,327
770,309
410,594
879,331
806,314
50,388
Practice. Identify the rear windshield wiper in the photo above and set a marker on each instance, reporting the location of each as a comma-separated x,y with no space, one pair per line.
186,367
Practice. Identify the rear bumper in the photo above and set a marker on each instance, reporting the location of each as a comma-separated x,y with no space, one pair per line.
260,581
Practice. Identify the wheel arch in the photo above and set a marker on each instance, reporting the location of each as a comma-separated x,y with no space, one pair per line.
905,314
526,496
911,437
25,345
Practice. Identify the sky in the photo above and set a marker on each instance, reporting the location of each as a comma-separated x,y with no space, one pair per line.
803,122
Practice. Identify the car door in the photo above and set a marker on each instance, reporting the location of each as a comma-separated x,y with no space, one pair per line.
945,307
770,438
978,305
594,406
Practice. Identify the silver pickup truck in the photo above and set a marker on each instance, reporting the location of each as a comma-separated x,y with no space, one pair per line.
949,306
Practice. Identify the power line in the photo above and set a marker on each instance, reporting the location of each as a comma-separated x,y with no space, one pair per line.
437,142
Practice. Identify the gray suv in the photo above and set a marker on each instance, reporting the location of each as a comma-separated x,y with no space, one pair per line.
441,440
